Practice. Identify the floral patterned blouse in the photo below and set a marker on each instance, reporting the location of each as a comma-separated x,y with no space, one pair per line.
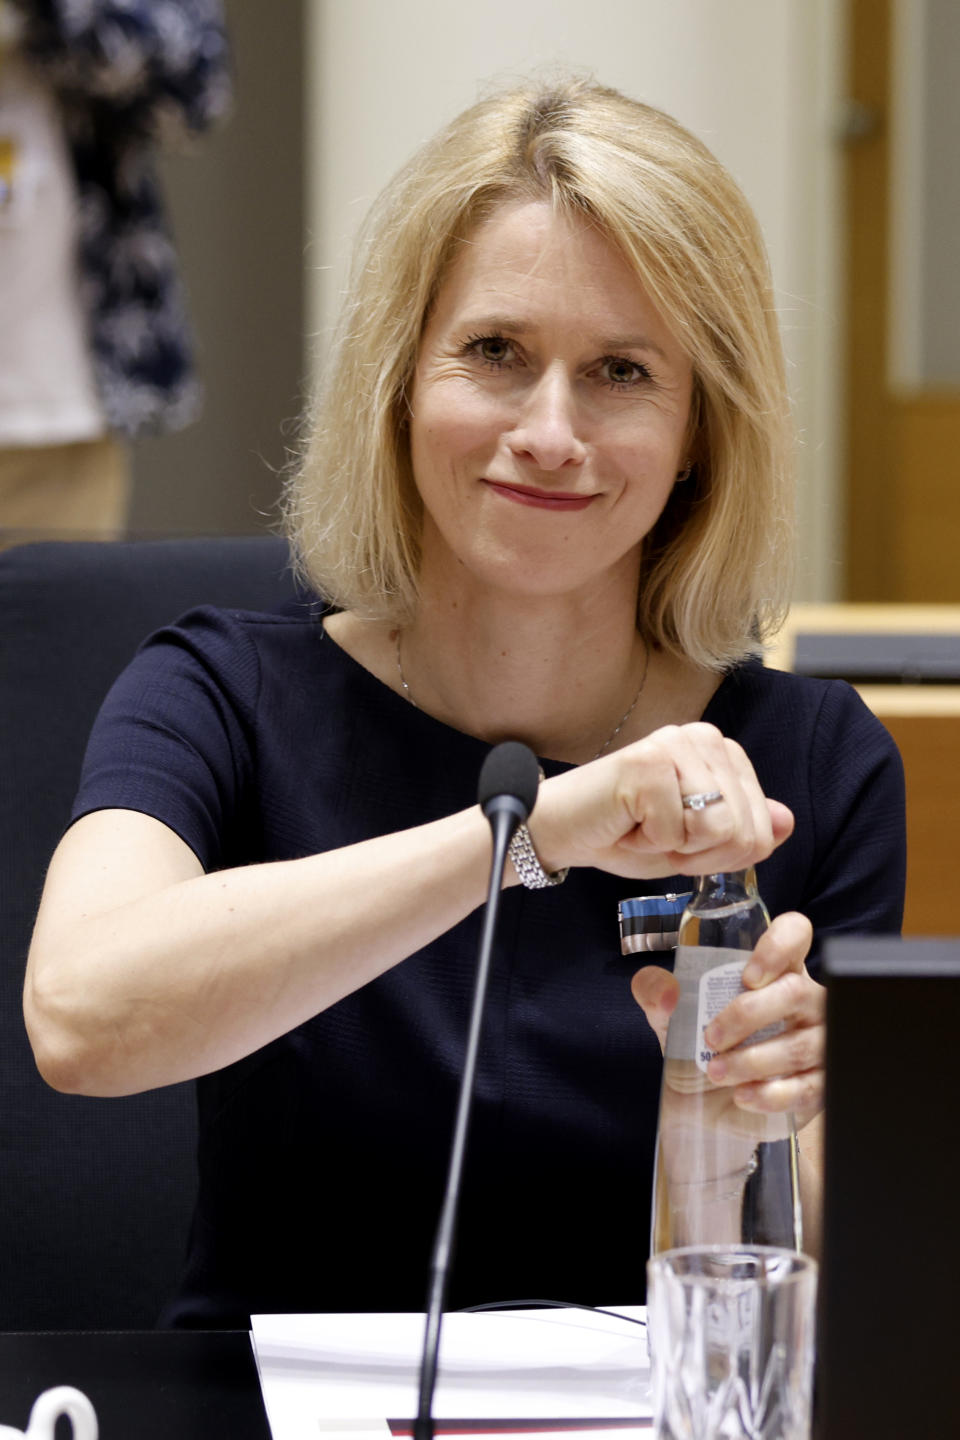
126,73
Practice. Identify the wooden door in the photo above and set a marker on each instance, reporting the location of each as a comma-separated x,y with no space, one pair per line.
902,440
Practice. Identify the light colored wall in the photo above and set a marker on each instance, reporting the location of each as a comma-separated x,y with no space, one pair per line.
236,203
942,199
925,195
754,78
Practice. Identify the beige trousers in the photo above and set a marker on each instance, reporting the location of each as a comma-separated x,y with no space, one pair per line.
64,492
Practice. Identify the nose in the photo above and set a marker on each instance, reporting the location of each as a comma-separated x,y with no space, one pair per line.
547,428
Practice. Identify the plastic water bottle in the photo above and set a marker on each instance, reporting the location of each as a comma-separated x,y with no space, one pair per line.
722,1175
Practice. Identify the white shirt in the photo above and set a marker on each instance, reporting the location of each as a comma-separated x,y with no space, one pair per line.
47,391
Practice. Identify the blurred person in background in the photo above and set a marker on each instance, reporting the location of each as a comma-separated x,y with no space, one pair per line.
95,345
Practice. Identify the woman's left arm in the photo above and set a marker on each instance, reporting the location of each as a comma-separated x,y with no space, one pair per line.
855,808
783,1073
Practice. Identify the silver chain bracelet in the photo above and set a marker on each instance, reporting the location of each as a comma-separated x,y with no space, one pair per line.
527,864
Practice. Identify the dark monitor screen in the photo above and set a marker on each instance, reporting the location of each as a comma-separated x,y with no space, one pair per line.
888,1348
871,657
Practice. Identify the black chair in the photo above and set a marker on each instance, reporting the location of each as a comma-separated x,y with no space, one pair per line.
95,1195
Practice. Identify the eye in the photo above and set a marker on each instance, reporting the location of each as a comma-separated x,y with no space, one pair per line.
494,350
618,373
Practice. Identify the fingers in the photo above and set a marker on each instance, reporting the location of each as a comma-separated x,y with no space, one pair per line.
785,1071
697,760
781,820
801,1094
624,813
690,760
782,948
755,812
656,992
777,988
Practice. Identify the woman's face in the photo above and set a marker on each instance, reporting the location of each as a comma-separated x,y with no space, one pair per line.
549,408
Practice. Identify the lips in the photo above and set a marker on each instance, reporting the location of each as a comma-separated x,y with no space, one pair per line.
540,499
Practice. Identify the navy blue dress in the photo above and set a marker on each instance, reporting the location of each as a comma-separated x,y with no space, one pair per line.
323,1155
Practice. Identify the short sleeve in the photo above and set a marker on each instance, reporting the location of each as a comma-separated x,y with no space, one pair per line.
858,814
818,748
176,733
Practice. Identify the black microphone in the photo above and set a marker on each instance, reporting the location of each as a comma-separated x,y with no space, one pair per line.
506,793
507,787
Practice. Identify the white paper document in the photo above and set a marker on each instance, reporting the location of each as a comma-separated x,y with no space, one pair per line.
357,1375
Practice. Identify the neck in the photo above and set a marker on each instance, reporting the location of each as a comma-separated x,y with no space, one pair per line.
560,677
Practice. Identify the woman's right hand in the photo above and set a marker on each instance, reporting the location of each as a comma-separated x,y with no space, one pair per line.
624,813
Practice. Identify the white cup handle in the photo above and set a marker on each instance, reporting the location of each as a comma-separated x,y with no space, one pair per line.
62,1400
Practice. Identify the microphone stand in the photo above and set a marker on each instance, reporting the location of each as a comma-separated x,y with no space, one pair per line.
505,813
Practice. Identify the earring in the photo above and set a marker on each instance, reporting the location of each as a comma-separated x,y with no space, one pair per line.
686,472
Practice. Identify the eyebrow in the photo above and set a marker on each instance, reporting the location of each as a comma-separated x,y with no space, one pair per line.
510,325
634,342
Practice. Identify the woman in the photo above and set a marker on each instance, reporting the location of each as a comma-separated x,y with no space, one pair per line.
544,498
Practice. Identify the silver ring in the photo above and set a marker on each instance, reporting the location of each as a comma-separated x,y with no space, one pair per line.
702,799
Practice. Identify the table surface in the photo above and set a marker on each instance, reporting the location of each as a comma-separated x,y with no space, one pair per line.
156,1385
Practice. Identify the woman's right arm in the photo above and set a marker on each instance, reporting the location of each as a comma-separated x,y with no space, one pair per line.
144,970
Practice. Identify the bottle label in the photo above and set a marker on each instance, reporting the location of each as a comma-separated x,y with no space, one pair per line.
709,977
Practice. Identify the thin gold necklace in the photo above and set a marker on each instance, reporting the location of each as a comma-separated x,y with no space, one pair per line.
613,733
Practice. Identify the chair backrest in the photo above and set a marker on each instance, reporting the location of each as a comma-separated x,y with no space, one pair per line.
95,1195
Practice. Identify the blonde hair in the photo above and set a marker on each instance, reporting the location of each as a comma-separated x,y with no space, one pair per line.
716,567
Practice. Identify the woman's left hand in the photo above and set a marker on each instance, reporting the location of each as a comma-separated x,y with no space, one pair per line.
784,1072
